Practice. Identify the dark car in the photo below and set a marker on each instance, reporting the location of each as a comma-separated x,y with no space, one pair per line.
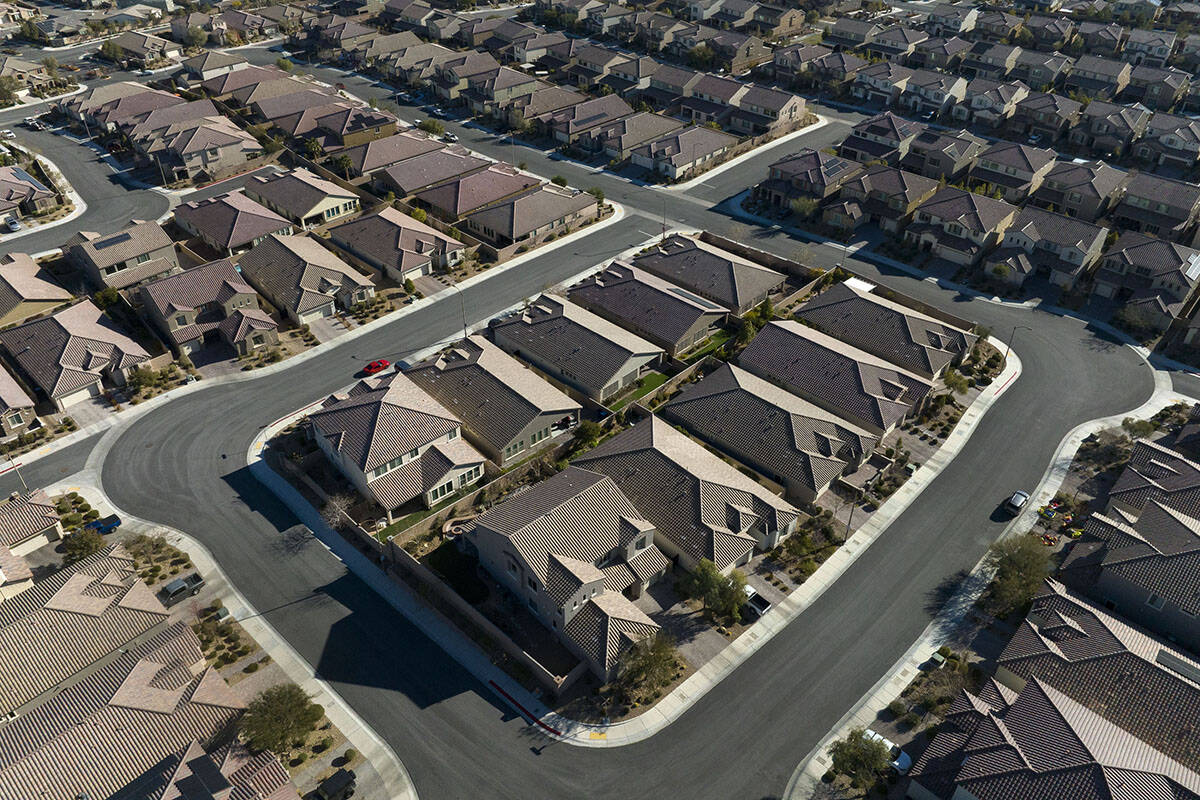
105,524
338,786
180,588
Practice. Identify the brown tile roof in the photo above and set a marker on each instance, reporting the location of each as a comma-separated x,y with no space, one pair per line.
530,211
231,220
139,238
607,625
393,239
381,153
427,169
24,516
296,192
466,193
24,280
299,273
1155,472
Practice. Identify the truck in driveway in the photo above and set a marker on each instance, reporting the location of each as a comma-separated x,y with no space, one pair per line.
180,589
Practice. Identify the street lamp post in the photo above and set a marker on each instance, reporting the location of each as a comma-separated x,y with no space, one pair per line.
462,306
1008,347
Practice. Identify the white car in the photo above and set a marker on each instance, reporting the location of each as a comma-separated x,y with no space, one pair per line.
12,224
7,134
899,760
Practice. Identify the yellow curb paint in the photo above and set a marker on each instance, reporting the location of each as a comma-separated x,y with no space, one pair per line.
598,735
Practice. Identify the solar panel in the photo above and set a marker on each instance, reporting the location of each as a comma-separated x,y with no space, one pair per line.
696,299
110,241
25,176
1177,664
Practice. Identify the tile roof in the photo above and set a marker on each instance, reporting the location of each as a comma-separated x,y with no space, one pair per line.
427,169
768,428
901,335
533,210
588,114
231,220
1018,156
298,272
466,193
393,239
494,395
1060,230
974,212
380,153
584,347
815,168
12,394
607,625
703,506
152,700
213,59
862,388
71,349
296,192
230,772
24,516
1090,179
712,273
139,238
1155,472
23,280
680,148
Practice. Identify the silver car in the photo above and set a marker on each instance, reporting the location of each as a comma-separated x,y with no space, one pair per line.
1017,502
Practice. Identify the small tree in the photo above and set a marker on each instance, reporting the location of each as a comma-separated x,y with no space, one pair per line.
111,50
805,207
81,544
335,512
418,214
409,286
284,64
587,433
559,180
597,193
313,148
278,717
701,56
51,65
858,757
1021,564
730,597
343,164
432,126
106,297
647,665
195,36
8,90
703,583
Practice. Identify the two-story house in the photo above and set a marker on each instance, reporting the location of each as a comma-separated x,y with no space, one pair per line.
960,226
989,102
1153,278
138,253
1014,170
884,137
1041,242
1160,207
1086,190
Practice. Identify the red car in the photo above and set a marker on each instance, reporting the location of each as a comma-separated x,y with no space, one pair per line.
377,366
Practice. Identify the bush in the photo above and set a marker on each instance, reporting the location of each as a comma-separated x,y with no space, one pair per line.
251,667
279,716
559,180
910,720
81,544
897,709
323,745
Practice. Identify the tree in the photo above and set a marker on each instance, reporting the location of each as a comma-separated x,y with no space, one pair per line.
8,90
343,164
703,583
409,286
858,757
805,207
701,56
106,297
111,50
313,148
31,32
336,510
51,65
597,193
278,717
1021,564
284,64
730,597
559,180
587,433
432,126
647,665
81,544
418,214
196,36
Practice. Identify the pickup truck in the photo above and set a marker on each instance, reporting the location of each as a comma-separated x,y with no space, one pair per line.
105,524
180,588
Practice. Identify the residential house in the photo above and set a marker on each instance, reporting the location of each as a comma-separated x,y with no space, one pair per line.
1159,207
761,110
379,154
620,138
1088,751
427,169
990,60
212,63
1042,242
1152,278
1046,116
852,313
21,194
397,245
575,346
942,155
882,195
302,279
1101,38
1110,129
208,304
774,21
567,125
17,413
717,275
230,223
990,102
1159,88
145,49
231,766
948,19
685,152
996,26
712,512
880,83
459,196
395,443
1098,77
630,76
655,309
140,252
1014,170
960,226
192,145
489,93
1086,190
807,174
930,93
884,137
300,196
532,217
1036,68
1149,47
848,33
784,438
104,107
27,289
894,43
417,65
546,99
370,52
452,77
834,72
1154,472
28,522
27,74
939,53
1170,140
575,550
1050,33
68,356
223,85
1134,680
507,410
593,63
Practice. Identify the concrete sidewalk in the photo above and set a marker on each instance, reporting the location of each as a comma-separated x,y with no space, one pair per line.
953,618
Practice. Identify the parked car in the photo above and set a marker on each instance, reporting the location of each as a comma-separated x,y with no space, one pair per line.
7,134
756,604
450,137
338,786
105,524
377,366
13,224
1014,504
180,588
898,759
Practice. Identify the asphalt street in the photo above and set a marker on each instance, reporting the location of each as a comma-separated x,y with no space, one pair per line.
184,465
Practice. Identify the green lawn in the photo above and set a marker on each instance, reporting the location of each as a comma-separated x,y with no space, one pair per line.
716,340
412,519
649,382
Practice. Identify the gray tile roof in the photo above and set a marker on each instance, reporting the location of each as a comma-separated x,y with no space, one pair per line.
608,624
1090,179
139,238
702,506
533,210
24,516
1018,156
769,429
427,169
582,346
1041,743
297,192
192,774
298,272
393,239
863,389
663,311
381,153
1057,229
588,114
903,336
681,147
150,701
12,395
714,274
466,193
494,394
231,220
69,350
974,212
1155,472
69,620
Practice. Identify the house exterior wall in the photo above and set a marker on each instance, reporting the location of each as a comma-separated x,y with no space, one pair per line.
100,277
538,434
50,534
1133,602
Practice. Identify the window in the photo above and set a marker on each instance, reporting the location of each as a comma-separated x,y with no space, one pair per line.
532,584
1155,602
143,258
453,434
14,419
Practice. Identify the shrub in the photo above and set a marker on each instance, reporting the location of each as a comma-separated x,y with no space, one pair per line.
910,720
251,667
897,708
350,755
323,745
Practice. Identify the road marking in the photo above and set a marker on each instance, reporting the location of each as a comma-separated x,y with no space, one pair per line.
597,735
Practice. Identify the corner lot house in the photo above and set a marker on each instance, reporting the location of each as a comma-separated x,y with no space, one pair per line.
662,313
69,355
862,389
302,279
381,153
533,216
507,410
139,253
683,152
22,194
28,521
395,443
302,197
230,223
575,550
712,511
1152,277
207,304
573,345
1060,247
714,274
788,440
919,343
397,245
17,411
26,289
